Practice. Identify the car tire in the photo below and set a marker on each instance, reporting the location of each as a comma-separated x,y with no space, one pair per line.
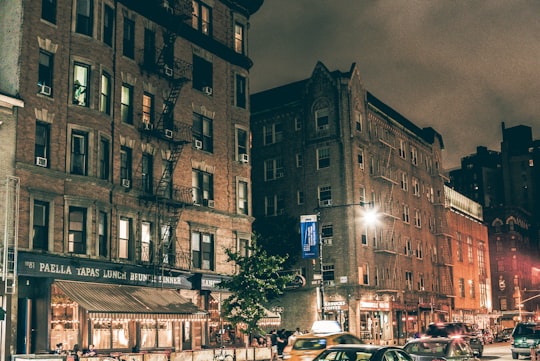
515,355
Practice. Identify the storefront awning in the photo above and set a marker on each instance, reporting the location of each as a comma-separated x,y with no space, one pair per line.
108,301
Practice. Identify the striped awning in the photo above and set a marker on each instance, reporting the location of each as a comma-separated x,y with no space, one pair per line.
111,301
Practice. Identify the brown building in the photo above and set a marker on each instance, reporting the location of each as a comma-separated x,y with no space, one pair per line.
328,148
469,247
132,153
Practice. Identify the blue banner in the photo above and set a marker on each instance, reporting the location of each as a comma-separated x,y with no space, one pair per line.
310,236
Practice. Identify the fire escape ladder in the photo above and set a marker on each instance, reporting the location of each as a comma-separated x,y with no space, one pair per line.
10,223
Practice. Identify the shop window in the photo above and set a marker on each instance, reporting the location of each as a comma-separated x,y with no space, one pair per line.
64,313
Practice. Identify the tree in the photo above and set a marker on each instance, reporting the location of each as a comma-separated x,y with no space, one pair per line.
256,283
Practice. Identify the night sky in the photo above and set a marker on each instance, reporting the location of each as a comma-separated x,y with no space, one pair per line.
460,66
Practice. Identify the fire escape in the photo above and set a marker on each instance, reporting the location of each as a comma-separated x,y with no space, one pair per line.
162,197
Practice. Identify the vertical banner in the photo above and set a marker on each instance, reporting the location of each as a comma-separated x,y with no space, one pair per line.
310,236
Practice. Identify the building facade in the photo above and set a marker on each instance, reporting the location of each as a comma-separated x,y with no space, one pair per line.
328,148
132,152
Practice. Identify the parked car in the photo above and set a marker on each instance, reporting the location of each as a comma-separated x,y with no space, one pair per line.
306,347
504,335
364,352
526,335
465,330
440,348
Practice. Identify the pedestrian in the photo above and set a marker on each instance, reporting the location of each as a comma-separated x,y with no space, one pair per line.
274,344
77,352
90,352
281,341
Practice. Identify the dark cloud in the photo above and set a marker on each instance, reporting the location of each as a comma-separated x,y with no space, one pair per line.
461,67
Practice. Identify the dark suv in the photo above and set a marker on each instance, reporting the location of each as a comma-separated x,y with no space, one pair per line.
461,329
526,335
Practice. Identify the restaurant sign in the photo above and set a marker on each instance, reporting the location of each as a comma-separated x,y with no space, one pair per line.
36,265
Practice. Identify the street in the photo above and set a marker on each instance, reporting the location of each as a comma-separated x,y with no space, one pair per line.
499,351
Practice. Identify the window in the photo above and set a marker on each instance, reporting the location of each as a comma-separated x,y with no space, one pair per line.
415,186
419,250
323,158
408,248
124,237
104,156
472,292
202,250
81,80
146,243
273,169
148,110
239,38
241,144
202,74
201,19
363,274
299,160
167,244
417,218
461,287
358,120
327,231
405,214
409,280
126,108
40,240
297,124
299,197
125,166
414,156
147,174
470,255
149,55
48,10
361,158
273,133
105,96
77,230
402,148
328,274
325,195
108,25
203,187
45,73
404,181
421,282
240,91
459,248
270,205
79,150
321,119
103,234
243,197
202,133
243,247
41,146
129,38
84,17
481,259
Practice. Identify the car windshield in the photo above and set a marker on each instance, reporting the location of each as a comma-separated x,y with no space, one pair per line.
310,344
523,330
427,348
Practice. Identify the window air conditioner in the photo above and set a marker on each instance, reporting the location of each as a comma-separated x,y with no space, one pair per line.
211,203
198,144
244,158
325,203
148,126
45,90
168,70
42,162
168,133
207,90
126,183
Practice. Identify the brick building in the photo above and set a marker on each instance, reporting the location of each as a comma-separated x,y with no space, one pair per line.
132,152
328,148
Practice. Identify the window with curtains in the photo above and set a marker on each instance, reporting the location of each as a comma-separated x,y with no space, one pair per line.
239,38
124,238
